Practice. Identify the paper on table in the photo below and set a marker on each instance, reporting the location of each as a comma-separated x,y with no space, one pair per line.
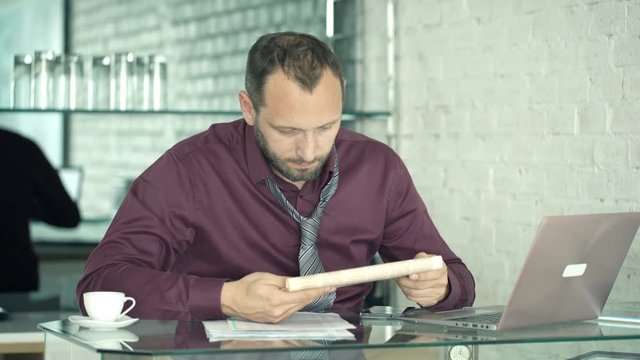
333,335
301,325
364,273
300,321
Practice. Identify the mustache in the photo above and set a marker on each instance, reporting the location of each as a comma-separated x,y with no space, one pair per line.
303,162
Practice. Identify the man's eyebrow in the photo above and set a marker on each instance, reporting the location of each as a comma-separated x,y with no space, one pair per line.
330,123
284,127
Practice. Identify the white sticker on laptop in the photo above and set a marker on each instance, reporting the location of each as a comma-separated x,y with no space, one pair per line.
574,270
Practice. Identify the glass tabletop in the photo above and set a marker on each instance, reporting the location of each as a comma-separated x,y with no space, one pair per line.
158,337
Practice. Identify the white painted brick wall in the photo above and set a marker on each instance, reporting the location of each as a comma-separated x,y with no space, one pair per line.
511,110
508,110
206,43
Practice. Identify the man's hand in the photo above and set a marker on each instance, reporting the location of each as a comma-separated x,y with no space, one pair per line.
263,297
426,288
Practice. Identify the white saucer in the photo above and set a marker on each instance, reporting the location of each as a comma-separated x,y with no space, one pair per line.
87,322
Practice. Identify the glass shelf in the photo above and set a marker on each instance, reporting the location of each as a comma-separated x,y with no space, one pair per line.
347,114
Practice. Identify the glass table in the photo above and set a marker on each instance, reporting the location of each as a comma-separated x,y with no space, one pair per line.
374,339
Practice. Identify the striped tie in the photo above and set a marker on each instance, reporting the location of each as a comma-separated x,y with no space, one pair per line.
308,257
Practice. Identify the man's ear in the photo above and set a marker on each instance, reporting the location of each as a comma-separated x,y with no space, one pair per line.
248,112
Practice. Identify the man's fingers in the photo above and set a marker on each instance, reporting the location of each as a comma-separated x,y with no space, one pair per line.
306,296
424,292
425,288
276,280
263,297
289,303
420,280
285,311
295,298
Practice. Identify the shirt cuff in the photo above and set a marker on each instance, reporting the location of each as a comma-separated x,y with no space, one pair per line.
204,298
451,300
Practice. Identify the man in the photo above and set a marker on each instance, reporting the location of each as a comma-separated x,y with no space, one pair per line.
30,188
216,225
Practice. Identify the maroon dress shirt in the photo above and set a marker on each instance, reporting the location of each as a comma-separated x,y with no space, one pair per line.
202,214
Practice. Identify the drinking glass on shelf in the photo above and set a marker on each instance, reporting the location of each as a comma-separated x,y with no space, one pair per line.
158,71
122,80
42,80
68,82
20,94
98,86
143,82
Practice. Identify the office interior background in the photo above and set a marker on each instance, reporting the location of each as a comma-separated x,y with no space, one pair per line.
503,110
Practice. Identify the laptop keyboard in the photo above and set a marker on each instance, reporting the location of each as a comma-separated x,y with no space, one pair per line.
490,318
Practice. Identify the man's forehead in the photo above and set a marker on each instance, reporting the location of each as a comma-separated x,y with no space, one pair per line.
287,104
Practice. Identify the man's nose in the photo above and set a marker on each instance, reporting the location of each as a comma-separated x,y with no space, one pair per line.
307,147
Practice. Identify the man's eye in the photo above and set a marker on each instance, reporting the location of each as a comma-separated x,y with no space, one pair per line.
289,131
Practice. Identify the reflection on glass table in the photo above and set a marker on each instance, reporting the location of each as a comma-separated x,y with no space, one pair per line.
186,338
115,339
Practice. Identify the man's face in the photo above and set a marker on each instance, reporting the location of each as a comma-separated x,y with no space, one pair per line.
296,129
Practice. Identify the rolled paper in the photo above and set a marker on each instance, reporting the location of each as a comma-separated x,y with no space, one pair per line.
364,274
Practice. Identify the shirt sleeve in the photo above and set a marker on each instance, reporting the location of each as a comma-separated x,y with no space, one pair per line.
137,255
409,230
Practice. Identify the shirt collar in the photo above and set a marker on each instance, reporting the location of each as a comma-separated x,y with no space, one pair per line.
259,168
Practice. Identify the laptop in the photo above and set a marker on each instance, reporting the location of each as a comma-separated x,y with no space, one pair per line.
567,275
577,329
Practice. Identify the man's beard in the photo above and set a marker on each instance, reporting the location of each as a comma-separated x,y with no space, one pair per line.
281,165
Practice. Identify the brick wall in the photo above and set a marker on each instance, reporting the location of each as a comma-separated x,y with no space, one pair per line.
511,110
205,43
506,110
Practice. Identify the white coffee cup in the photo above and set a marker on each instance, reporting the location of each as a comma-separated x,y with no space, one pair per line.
106,305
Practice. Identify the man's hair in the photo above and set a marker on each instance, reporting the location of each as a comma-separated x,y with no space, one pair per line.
302,57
